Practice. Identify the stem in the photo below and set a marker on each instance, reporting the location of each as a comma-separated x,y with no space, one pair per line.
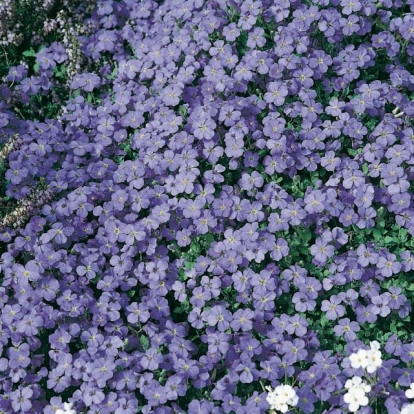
5,55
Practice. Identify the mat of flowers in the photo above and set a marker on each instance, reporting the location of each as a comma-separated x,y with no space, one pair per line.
219,216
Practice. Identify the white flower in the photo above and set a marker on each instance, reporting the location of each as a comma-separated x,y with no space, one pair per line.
353,382
367,359
276,402
408,409
67,409
288,393
282,407
374,360
356,397
356,382
410,392
359,359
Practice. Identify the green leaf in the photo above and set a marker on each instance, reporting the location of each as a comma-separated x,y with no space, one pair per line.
189,265
305,235
208,239
144,342
402,235
29,53
378,234
182,110
381,223
96,279
60,71
113,73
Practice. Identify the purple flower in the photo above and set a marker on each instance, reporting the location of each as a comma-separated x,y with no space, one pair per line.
293,214
347,328
231,32
306,400
333,308
407,352
246,370
388,265
297,325
303,302
60,339
204,128
314,202
321,251
249,181
20,399
219,316
171,95
393,345
396,299
280,249
276,93
151,359
30,324
242,320
16,173
380,305
408,261
294,351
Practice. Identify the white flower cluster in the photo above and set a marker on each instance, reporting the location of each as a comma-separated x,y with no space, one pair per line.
281,398
67,409
367,359
355,396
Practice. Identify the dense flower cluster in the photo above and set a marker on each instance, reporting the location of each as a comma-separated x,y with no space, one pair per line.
14,24
229,205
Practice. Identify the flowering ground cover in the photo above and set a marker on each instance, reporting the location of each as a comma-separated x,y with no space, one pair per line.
207,207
